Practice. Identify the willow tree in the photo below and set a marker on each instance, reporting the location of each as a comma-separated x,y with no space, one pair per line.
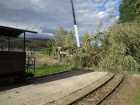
123,50
119,51
88,55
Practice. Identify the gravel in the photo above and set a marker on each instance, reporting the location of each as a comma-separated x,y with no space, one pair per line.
48,89
42,91
97,96
125,92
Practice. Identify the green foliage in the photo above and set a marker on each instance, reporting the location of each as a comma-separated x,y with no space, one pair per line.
87,56
79,60
129,11
49,48
63,38
89,53
119,51
137,5
17,43
123,50
136,98
46,69
63,42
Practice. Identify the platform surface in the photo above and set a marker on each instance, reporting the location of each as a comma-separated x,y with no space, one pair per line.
45,91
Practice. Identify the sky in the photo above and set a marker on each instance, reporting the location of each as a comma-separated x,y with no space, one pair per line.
45,16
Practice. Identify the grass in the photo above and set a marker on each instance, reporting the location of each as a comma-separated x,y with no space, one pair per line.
45,69
40,55
136,98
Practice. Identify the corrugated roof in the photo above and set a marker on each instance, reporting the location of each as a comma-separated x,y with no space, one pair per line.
13,32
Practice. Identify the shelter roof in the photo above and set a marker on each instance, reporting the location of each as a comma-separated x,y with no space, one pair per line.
13,32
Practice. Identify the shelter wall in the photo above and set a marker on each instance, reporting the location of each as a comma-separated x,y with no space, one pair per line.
12,62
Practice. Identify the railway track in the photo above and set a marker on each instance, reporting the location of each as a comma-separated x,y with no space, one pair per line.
99,95
94,93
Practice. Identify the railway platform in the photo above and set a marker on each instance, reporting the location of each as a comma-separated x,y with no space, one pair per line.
59,89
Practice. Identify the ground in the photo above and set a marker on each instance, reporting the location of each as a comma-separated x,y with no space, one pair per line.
126,92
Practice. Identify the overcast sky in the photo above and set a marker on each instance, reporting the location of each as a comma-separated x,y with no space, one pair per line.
45,16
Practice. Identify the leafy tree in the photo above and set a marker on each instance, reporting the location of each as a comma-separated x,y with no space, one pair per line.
50,47
129,11
122,52
63,41
137,5
63,38
119,51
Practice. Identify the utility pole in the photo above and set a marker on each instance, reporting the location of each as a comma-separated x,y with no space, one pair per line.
75,25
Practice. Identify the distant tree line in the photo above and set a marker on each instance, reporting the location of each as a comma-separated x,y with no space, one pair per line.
17,43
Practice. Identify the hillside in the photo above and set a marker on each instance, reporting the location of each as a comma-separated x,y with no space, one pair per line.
17,43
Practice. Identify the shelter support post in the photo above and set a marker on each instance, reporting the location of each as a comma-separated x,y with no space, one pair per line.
24,43
9,43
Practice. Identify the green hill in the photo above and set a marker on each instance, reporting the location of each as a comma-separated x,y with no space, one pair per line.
17,43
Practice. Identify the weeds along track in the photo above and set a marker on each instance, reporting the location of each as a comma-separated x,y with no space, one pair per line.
99,95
